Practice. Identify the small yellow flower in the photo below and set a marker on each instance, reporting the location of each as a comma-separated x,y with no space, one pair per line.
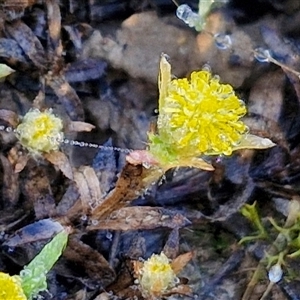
157,275
40,132
11,288
197,117
202,115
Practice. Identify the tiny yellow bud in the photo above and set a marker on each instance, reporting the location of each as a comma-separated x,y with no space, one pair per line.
157,275
40,131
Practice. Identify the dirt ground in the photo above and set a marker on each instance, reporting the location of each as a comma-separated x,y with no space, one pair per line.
97,62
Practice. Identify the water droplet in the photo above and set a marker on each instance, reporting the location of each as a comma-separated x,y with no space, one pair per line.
25,273
109,235
223,41
10,250
83,217
275,273
146,165
185,13
176,280
206,68
262,55
216,78
95,222
91,145
219,159
175,171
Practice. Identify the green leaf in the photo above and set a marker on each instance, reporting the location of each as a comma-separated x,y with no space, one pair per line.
34,274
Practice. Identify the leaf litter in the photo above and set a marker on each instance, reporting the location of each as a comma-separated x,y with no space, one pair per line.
92,78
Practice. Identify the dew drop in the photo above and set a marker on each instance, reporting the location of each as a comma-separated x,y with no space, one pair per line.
176,280
262,55
10,250
109,235
185,13
206,68
216,78
83,217
95,222
219,159
275,273
223,41
91,145
25,273
135,287
175,171
146,165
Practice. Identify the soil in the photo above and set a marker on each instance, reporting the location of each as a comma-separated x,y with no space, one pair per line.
97,62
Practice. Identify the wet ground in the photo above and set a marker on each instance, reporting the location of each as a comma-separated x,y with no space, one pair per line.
97,62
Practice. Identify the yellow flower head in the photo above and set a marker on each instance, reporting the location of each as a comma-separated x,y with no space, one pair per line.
11,288
202,115
40,131
198,116
157,275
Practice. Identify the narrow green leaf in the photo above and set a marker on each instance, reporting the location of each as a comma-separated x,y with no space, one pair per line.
34,274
